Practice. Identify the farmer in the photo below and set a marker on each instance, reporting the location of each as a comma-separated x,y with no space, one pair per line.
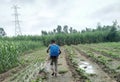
54,53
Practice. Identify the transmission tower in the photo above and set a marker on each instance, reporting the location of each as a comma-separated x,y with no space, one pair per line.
17,22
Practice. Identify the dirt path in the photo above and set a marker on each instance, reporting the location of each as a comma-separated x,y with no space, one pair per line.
36,62
97,74
64,74
28,71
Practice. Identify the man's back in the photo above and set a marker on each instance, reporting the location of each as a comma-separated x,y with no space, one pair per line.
54,50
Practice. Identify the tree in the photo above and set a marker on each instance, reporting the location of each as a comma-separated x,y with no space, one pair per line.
99,27
2,32
50,33
44,32
54,30
88,29
71,30
59,29
82,31
74,31
115,23
112,35
65,29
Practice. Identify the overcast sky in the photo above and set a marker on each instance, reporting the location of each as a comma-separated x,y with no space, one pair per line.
37,15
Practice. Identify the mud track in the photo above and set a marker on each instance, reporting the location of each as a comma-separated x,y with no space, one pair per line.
66,70
71,75
107,70
64,73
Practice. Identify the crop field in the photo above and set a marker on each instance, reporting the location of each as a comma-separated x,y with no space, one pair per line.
96,62
27,62
11,50
59,41
17,60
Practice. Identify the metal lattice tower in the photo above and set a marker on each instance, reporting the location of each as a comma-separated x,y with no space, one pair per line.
17,22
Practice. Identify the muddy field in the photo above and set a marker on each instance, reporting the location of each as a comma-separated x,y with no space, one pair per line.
77,63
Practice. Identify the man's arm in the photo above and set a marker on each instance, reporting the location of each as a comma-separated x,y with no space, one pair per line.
59,51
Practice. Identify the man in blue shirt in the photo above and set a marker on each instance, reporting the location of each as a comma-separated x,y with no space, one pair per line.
55,51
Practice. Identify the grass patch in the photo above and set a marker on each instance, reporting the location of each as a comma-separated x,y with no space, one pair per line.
63,70
118,67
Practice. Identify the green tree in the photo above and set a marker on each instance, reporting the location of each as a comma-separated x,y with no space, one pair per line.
74,31
83,31
71,30
88,29
54,31
65,29
59,29
44,32
99,27
112,36
2,32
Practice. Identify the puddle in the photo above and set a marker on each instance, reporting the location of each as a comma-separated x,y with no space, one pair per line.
86,67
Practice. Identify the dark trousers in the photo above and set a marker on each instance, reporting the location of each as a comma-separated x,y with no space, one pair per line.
53,63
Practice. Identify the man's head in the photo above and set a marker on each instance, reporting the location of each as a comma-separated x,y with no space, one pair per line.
52,41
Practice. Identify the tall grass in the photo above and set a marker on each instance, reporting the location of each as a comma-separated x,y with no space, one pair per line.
11,50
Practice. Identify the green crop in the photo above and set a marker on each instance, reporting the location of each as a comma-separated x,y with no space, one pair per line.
11,50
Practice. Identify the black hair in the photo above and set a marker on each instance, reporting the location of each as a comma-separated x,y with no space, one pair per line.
52,41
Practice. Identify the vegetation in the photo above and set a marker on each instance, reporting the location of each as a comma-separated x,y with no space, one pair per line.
67,36
107,62
107,49
104,54
71,36
11,50
2,32
72,57
35,63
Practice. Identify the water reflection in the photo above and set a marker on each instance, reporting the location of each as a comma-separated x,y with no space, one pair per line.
87,67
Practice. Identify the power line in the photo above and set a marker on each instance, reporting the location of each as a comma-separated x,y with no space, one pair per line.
17,22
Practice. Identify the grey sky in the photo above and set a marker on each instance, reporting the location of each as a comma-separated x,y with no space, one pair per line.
37,15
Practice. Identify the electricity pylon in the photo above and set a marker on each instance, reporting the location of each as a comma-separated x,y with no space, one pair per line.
17,22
